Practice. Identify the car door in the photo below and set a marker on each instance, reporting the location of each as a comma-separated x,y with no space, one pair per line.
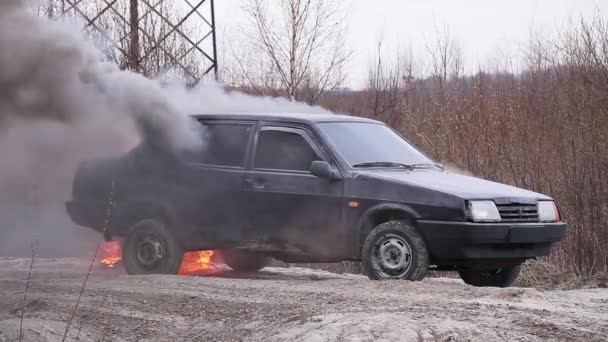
215,177
286,203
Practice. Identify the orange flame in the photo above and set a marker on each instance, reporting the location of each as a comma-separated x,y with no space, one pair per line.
111,253
192,263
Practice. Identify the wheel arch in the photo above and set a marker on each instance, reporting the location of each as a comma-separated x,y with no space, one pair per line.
137,210
379,214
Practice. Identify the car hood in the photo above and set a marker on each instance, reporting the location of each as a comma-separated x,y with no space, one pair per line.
462,186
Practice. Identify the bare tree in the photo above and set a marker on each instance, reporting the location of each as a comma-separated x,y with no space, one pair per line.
445,57
301,43
49,8
388,84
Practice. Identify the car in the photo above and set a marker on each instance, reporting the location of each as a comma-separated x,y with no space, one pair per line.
311,188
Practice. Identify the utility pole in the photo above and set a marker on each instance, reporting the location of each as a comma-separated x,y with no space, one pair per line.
215,67
134,51
199,45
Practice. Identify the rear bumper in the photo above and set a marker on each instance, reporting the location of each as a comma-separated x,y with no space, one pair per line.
88,214
476,241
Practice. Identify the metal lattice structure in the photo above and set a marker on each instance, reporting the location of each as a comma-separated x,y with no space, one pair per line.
153,36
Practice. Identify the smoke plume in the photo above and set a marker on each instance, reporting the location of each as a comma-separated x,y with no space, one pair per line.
48,72
62,102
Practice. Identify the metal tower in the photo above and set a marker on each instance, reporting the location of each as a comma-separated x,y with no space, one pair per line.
153,36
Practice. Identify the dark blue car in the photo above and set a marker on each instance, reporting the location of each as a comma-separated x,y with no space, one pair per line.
312,188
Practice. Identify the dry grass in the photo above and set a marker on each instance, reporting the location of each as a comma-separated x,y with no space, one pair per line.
27,287
544,275
86,278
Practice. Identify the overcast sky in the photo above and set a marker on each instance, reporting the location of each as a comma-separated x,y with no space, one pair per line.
485,29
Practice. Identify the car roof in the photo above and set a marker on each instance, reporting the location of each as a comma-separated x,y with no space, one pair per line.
286,117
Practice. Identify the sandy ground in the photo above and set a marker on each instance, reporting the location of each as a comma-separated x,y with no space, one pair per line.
285,305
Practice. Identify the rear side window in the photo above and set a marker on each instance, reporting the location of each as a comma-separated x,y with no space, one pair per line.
284,150
224,144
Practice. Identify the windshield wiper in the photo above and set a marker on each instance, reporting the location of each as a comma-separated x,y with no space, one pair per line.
428,166
385,164
400,165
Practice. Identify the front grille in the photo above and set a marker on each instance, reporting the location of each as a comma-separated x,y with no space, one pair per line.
518,212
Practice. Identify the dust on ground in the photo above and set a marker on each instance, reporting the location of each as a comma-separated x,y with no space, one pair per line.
285,304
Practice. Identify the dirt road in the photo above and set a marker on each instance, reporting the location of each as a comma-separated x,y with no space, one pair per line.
285,305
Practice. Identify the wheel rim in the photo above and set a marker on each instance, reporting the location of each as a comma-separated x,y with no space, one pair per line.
392,257
150,251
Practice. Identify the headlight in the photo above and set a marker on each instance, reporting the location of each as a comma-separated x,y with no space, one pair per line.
547,211
484,211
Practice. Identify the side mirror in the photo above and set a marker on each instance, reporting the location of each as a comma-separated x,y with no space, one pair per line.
324,170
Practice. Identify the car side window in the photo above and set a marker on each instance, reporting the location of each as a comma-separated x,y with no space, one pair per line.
224,144
289,149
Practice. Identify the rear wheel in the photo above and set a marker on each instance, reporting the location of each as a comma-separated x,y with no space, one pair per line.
395,250
502,277
244,261
151,249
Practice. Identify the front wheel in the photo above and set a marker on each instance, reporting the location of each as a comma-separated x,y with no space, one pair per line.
502,277
150,248
395,250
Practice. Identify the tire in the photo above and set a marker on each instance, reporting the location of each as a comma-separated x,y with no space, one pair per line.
151,249
502,277
243,261
408,256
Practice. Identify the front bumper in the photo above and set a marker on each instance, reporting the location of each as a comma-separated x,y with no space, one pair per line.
477,241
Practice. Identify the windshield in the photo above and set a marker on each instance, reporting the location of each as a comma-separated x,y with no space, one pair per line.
369,143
